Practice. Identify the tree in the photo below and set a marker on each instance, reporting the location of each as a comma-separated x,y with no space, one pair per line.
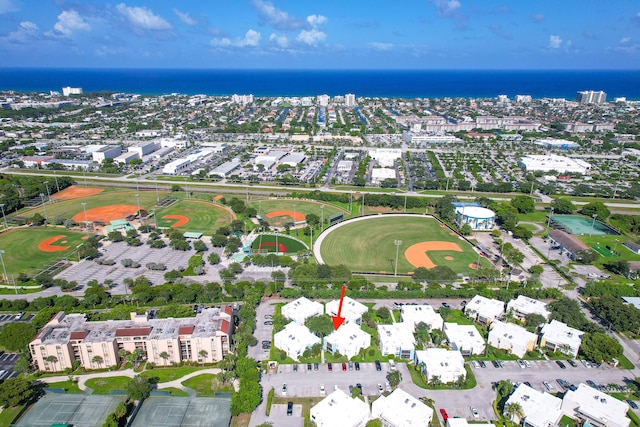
203,355
563,206
513,410
599,347
199,246
97,360
384,314
504,388
394,378
597,208
164,355
213,258
320,326
17,391
466,230
587,256
138,388
524,204
534,320
16,336
374,423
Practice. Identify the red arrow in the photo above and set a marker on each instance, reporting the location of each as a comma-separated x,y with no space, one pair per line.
337,320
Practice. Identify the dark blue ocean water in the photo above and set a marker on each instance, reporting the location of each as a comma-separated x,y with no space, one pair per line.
383,83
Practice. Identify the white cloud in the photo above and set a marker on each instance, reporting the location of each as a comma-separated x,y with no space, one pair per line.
251,38
69,21
537,17
143,18
185,18
222,42
26,31
6,6
281,41
277,18
381,46
554,41
311,37
447,7
315,20
625,40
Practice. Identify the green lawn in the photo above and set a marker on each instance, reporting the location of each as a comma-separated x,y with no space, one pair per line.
267,243
206,385
176,391
21,253
368,245
169,374
68,386
8,415
105,385
300,206
203,217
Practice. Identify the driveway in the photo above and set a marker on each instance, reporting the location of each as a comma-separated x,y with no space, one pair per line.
263,332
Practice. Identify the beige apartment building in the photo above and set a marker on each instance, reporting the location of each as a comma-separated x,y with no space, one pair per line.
205,338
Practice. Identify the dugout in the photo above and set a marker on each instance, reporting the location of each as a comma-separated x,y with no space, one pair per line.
336,217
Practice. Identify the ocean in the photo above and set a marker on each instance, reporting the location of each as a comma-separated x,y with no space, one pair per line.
367,83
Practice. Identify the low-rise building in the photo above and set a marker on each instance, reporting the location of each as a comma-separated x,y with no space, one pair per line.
556,336
176,166
225,169
400,409
396,340
446,365
69,338
413,315
301,309
144,147
513,338
522,306
294,339
352,310
595,407
345,166
464,338
106,152
338,409
539,409
484,310
126,157
347,340
566,243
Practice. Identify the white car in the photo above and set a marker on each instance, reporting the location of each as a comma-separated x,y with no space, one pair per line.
474,412
548,385
322,390
284,389
380,388
521,364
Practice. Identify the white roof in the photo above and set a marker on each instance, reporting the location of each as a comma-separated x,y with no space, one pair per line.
351,309
462,422
464,337
338,409
301,309
511,337
294,339
561,164
382,173
525,305
485,307
394,338
349,339
446,364
596,405
475,212
414,314
540,409
559,333
400,409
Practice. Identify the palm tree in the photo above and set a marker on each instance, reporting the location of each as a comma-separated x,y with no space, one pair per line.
435,380
97,360
513,410
164,356
53,360
203,355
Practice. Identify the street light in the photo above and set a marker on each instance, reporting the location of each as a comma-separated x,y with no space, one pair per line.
593,223
48,194
294,216
397,243
46,217
56,178
86,221
615,246
549,220
322,218
138,200
4,269
4,218
155,178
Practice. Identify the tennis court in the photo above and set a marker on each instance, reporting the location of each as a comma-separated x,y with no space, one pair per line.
73,409
581,225
184,412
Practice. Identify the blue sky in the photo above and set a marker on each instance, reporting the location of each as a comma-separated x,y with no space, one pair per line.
329,34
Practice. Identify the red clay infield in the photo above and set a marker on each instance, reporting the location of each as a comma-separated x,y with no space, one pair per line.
74,192
297,216
281,246
106,213
181,220
417,254
45,245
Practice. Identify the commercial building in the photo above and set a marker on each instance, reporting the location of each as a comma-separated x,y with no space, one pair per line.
400,409
294,339
226,169
144,147
301,309
338,409
352,310
380,174
477,217
484,310
413,315
447,365
595,407
106,152
523,306
464,338
126,157
556,336
345,166
347,340
176,166
397,340
462,422
71,337
566,243
511,337
386,157
591,97
425,138
293,159
539,409
560,144
560,164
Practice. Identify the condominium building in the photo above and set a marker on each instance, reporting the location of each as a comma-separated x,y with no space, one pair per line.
205,338
591,97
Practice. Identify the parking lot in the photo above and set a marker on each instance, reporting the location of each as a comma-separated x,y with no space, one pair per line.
7,365
263,332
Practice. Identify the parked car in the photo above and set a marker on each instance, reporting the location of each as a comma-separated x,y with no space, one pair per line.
289,409
463,303
357,366
309,366
350,389
586,363
527,363
284,389
444,414
315,366
444,304
360,387
474,412
521,364
268,322
632,404
495,363
482,364
268,316
330,366
351,366
380,389
572,363
591,384
392,365
475,363
378,365
562,365
344,366
548,385
322,392
295,368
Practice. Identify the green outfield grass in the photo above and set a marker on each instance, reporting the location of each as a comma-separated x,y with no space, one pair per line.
368,245
21,253
267,243
203,217
304,207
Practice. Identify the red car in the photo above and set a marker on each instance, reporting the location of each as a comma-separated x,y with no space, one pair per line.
344,366
330,366
444,414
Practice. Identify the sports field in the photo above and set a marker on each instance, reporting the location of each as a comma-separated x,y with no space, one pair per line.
367,244
183,412
27,249
278,212
268,242
200,216
69,409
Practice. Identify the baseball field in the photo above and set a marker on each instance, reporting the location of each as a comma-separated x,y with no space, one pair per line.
269,242
279,212
368,244
194,215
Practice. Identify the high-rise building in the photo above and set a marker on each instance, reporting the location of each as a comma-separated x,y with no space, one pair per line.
350,100
591,97
66,91
323,100
242,99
